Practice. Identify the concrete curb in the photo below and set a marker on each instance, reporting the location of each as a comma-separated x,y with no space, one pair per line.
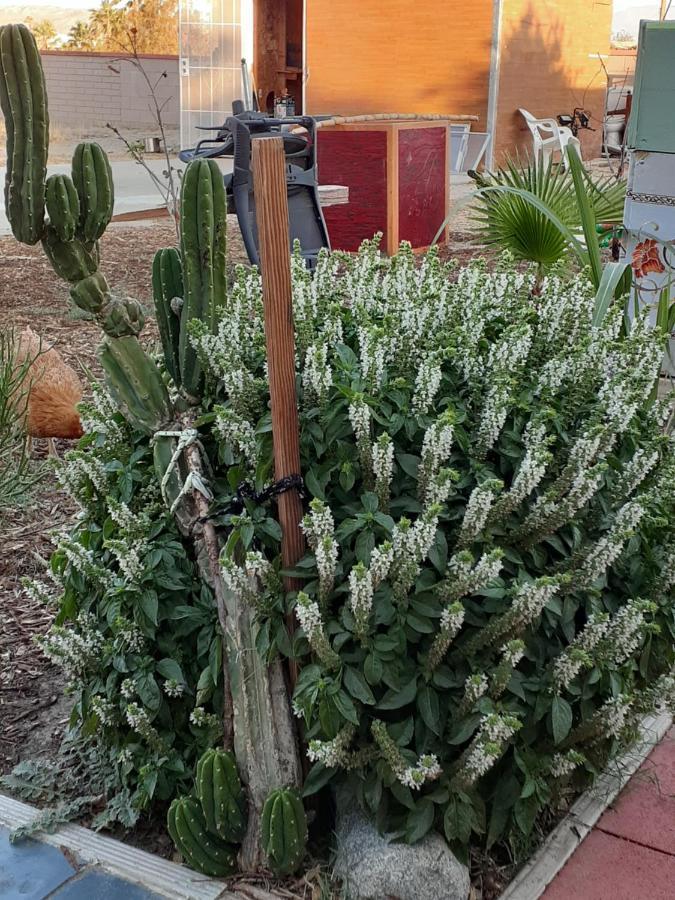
535,876
165,878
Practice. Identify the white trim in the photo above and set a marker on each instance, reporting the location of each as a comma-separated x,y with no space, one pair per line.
493,89
165,878
535,876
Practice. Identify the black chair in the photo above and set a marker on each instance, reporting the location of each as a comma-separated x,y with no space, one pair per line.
234,139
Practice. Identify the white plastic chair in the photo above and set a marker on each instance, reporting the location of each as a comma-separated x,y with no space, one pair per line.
549,137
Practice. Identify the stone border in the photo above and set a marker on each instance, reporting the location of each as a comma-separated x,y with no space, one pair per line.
540,870
165,878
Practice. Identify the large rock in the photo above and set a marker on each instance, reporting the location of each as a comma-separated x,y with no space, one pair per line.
372,868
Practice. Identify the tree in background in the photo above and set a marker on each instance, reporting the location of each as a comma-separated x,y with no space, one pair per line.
80,37
118,26
44,31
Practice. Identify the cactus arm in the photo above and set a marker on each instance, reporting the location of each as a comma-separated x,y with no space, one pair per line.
167,284
136,383
202,851
63,206
92,177
91,293
69,259
24,104
203,249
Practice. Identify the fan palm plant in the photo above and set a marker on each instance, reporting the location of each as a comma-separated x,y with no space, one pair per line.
509,219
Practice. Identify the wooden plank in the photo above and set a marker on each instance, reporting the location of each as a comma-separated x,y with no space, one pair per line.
269,181
391,238
333,195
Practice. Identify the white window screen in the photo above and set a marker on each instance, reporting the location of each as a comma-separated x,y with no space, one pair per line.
210,69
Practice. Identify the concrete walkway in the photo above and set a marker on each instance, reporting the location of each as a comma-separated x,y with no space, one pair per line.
134,189
630,854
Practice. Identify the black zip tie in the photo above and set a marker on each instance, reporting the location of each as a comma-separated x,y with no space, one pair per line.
245,491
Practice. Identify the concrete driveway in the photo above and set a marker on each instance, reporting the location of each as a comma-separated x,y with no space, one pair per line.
134,189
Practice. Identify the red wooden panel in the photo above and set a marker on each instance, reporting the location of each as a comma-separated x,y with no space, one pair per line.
422,180
357,159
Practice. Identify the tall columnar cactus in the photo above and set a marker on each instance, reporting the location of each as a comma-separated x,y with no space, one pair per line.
284,831
221,795
203,246
167,290
23,99
201,850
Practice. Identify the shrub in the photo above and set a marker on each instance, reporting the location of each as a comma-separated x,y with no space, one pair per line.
487,601
486,606
136,631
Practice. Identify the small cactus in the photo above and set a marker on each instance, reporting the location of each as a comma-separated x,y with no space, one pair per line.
284,831
200,849
221,795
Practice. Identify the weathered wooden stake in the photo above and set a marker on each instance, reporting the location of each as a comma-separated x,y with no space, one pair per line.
269,182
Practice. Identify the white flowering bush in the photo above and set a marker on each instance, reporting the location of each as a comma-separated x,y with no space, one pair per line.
486,601
487,594
136,631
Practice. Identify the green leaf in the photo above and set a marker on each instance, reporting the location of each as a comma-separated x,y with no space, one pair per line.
403,794
409,463
397,699
346,707
587,213
372,669
561,719
429,707
525,812
317,777
370,502
419,821
611,276
148,690
314,486
357,686
458,821
365,543
149,603
216,659
169,668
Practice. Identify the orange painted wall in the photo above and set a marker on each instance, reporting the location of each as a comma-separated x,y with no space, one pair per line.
377,56
545,66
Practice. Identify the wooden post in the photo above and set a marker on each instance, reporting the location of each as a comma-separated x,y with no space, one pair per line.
271,202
